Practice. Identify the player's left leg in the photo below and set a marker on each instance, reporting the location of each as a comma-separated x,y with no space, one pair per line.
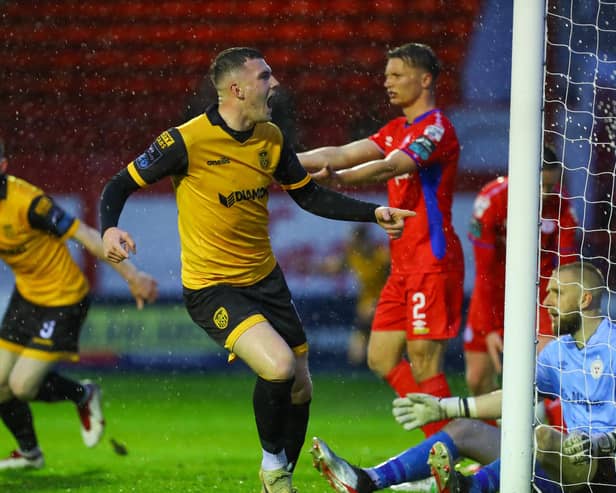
427,365
86,395
17,417
273,361
299,412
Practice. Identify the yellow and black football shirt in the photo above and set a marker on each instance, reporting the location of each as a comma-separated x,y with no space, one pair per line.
221,179
33,231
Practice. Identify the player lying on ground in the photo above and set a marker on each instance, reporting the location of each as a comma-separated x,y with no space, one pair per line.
585,454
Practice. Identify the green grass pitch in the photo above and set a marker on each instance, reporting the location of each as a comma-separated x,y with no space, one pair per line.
196,433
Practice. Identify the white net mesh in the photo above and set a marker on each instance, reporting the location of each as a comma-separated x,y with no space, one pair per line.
580,126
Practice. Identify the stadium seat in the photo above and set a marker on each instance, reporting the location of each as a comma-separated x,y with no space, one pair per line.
336,31
140,61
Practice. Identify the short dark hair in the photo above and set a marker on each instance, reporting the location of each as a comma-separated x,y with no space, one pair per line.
419,55
550,161
231,59
591,279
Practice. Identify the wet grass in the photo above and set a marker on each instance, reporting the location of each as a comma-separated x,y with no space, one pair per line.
196,433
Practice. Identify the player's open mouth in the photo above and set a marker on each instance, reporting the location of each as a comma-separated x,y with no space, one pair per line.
270,100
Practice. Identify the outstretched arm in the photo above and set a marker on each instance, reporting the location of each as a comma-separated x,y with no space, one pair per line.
340,157
333,205
142,286
416,410
397,163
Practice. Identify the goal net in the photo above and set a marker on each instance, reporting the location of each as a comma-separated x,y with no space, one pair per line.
580,126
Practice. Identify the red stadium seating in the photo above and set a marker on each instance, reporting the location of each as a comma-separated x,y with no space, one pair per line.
94,82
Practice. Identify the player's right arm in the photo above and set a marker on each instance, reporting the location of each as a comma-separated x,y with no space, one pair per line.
165,157
416,410
340,157
142,286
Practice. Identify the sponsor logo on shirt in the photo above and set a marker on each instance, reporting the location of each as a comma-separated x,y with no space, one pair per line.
218,162
221,318
241,195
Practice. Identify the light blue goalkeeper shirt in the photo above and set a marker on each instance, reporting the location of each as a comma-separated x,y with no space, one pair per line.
584,379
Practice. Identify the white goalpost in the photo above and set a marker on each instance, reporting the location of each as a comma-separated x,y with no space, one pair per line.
522,244
563,91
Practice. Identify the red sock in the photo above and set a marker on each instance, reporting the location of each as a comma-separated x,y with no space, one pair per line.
401,379
438,387
554,413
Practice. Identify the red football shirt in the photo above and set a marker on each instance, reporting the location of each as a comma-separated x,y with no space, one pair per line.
488,234
429,242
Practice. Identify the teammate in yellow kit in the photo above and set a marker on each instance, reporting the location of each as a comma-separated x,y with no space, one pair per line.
45,313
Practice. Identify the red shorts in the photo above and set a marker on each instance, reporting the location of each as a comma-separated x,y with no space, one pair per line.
426,306
475,340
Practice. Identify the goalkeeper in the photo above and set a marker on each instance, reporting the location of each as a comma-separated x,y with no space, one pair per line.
583,456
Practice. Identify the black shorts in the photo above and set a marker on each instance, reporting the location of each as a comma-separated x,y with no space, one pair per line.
42,332
225,312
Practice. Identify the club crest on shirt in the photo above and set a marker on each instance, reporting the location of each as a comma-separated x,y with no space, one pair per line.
264,160
221,318
596,369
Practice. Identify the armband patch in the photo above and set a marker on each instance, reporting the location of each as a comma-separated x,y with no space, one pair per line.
165,140
423,147
149,157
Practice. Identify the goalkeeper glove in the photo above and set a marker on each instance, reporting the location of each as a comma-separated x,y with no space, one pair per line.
416,410
582,447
